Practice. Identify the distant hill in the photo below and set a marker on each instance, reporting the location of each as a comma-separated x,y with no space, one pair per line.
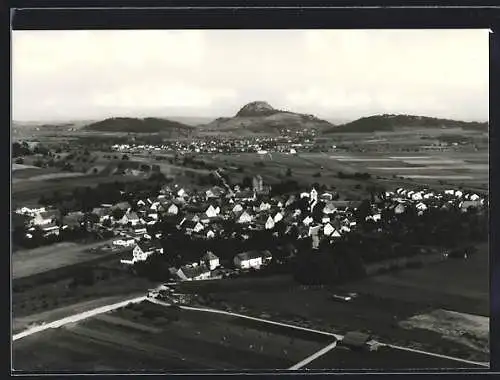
135,125
392,122
261,117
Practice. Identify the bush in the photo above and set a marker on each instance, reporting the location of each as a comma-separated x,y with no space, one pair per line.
318,174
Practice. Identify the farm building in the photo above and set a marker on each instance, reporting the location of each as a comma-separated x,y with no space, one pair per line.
247,260
358,341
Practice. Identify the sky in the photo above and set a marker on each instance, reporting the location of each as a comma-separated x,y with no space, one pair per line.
333,74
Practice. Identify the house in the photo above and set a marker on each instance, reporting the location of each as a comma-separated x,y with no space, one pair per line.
125,242
328,229
212,211
130,217
278,217
247,260
50,229
376,217
264,206
329,208
307,220
245,217
399,209
141,203
210,234
214,192
144,249
335,234
313,195
181,193
237,208
314,230
210,260
326,197
266,257
193,272
193,226
420,206
474,197
304,195
269,223
464,206
44,218
173,209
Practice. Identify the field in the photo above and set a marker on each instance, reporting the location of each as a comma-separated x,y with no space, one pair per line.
384,358
130,339
383,302
436,169
29,262
148,337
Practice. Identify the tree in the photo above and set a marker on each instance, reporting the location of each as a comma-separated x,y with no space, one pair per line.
19,160
288,172
124,157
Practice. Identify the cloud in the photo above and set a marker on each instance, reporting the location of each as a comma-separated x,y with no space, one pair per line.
330,73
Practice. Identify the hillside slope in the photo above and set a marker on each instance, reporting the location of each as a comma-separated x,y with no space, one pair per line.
135,125
392,122
260,117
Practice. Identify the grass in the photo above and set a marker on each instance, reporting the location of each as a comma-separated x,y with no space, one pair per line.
29,262
195,341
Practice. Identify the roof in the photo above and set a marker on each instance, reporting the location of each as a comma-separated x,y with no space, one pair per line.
209,256
122,205
249,255
191,272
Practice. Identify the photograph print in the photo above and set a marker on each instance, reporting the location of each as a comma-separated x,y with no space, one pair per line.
237,200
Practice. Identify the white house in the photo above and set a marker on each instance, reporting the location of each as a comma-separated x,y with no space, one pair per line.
237,208
126,242
193,272
377,217
173,209
421,206
211,211
43,218
314,230
335,234
313,195
474,197
129,217
307,220
247,260
304,195
211,260
264,206
278,217
269,223
210,234
245,217
328,229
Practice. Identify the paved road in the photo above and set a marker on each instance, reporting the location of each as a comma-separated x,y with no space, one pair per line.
77,317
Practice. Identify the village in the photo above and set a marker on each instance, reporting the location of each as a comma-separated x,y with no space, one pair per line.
311,216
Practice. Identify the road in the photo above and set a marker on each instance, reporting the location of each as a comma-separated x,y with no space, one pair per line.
314,356
77,317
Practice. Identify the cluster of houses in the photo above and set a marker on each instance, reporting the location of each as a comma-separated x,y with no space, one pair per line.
284,144
204,215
